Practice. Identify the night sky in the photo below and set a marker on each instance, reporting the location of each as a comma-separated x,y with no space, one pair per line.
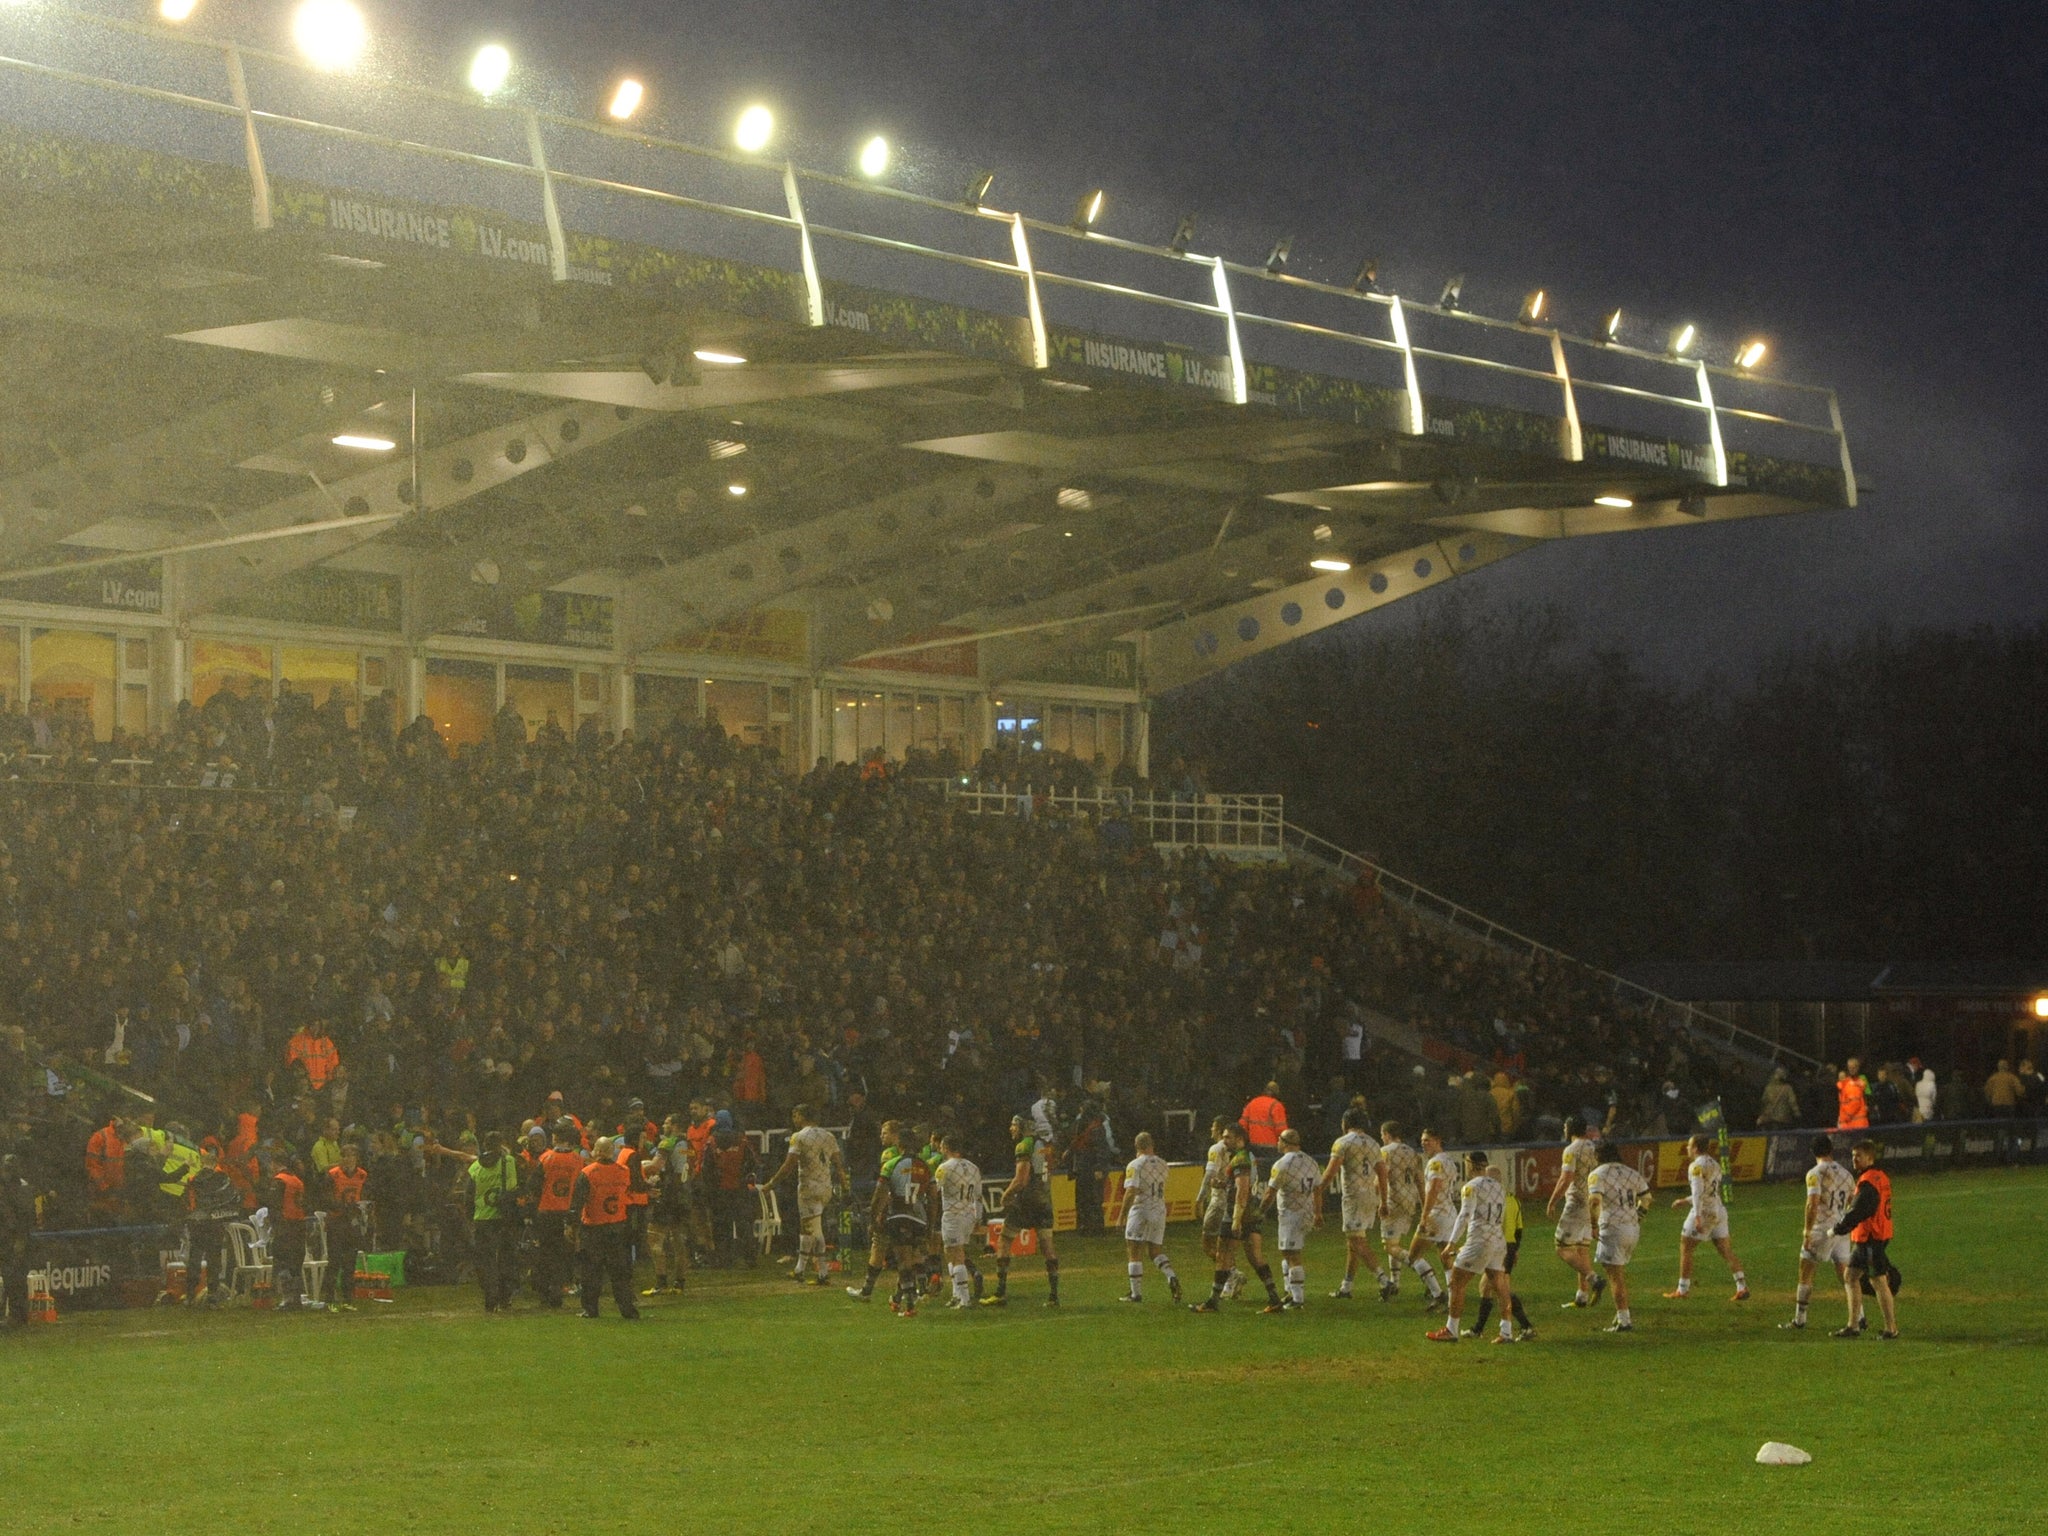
1861,183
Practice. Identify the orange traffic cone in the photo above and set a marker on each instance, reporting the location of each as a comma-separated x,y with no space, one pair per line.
260,1296
42,1306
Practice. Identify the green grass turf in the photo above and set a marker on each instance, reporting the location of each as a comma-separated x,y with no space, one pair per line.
751,1405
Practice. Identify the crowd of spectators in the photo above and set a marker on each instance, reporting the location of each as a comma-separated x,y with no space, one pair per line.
278,911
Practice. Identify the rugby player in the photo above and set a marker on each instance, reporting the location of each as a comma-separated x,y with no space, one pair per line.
1830,1190
1479,1238
902,1210
1359,1171
820,1170
1213,1201
1145,1219
1512,1228
959,1186
1245,1226
1707,1222
1438,1215
1027,1207
1404,1198
1615,1197
1574,1235
1295,1183
878,1240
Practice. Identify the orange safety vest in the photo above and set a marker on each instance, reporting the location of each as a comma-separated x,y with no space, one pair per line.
291,1203
1877,1228
106,1159
316,1053
634,1197
348,1187
605,1205
1853,1113
1264,1119
558,1170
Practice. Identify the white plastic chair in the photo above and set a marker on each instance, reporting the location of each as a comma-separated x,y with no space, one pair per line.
252,1260
313,1268
768,1226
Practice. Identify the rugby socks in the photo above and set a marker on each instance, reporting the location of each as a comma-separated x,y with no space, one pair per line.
1685,1285
1265,1274
1166,1268
1052,1277
908,1283
1741,1281
1521,1316
1136,1271
1002,1274
1421,1267
1451,1323
1485,1311
1799,1300
962,1294
1297,1285
1222,1280
867,1286
974,1278
1622,1316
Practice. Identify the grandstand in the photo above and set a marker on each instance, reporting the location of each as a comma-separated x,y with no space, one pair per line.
365,390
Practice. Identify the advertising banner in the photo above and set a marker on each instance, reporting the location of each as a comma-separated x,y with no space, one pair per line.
102,1267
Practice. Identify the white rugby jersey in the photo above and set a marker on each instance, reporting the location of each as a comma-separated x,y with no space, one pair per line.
1404,1177
1483,1208
959,1184
1705,1177
817,1150
1580,1159
1619,1188
1294,1179
1145,1184
1357,1156
1833,1188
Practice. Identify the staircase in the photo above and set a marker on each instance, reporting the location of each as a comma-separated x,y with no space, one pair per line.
1705,1029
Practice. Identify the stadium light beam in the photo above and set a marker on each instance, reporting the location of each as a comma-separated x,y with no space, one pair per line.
330,33
626,100
1683,338
977,188
490,69
1533,307
1088,210
1453,296
1751,354
874,158
177,10
754,130
1613,327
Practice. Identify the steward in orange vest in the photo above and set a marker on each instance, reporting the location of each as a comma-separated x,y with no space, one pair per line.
288,1233
1868,1225
603,1252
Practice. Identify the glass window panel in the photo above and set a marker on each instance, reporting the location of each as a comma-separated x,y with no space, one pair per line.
952,714
742,711
1060,733
461,697
10,666
1084,735
868,720
845,725
229,666
902,723
71,675
134,711
544,697
1111,726
662,703
320,673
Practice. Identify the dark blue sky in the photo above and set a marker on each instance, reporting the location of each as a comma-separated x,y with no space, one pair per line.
1860,182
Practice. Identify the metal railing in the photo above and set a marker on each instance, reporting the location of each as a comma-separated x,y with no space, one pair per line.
1239,825
556,155
1709,1028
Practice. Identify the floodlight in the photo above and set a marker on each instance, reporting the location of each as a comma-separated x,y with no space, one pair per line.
1330,563
1183,234
1683,338
1751,354
1367,279
2041,1006
1453,295
1614,326
977,188
490,69
874,157
364,441
1533,307
1620,503
1088,210
756,126
626,100
735,489
1276,259
177,10
330,33
722,359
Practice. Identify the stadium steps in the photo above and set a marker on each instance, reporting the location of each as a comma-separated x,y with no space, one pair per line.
1721,1036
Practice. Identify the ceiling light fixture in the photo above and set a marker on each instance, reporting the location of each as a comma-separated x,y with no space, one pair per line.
874,158
490,69
364,441
1329,563
1621,503
626,100
722,359
754,130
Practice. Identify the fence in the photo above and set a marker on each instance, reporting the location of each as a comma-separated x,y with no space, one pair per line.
1239,825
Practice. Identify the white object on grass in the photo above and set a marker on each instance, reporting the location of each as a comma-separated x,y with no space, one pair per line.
1776,1453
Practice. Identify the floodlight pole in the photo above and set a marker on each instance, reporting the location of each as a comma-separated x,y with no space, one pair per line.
1713,426
1575,440
551,213
1041,349
1240,385
814,290
1418,423
252,147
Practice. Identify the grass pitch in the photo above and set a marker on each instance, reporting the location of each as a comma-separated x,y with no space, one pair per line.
752,1405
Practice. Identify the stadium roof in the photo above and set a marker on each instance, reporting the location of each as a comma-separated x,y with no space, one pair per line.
706,385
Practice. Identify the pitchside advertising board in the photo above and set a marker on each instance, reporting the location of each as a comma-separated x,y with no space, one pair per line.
104,1267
